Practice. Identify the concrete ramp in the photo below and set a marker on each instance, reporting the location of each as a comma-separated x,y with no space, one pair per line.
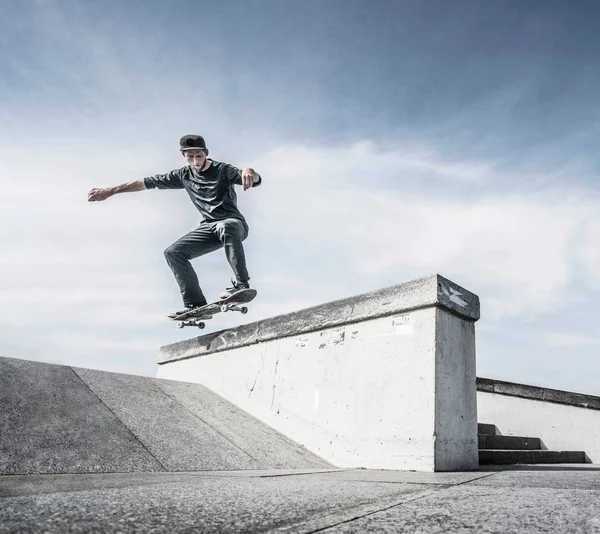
60,419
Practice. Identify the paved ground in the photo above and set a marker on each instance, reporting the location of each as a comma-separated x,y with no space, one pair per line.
198,464
562,499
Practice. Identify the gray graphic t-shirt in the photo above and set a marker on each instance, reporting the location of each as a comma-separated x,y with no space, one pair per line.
211,191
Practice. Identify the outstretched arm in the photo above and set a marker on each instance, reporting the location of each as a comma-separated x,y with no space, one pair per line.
103,193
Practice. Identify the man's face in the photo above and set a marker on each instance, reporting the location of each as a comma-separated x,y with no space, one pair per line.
195,157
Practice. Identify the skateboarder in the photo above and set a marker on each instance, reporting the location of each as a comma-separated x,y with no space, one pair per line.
210,185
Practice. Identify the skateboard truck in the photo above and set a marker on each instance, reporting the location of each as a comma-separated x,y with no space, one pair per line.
224,308
234,307
199,324
199,316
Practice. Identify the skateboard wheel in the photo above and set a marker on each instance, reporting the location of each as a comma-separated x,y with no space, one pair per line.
224,308
201,325
244,309
180,324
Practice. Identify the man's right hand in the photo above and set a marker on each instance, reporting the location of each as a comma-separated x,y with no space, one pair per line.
101,193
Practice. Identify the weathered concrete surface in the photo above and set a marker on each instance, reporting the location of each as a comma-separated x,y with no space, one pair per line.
19,485
269,449
415,295
57,419
391,385
349,397
455,393
531,500
482,506
524,391
50,422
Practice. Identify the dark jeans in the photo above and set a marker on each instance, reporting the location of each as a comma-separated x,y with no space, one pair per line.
208,237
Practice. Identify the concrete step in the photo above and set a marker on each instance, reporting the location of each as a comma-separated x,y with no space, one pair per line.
506,457
513,443
488,430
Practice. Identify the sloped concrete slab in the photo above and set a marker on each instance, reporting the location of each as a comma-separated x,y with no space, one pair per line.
270,449
58,419
174,435
50,422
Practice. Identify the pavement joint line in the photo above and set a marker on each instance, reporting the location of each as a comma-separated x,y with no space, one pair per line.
358,481
299,526
157,386
422,495
119,419
413,482
474,479
248,474
299,474
350,470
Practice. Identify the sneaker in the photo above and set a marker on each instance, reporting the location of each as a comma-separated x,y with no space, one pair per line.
236,288
188,307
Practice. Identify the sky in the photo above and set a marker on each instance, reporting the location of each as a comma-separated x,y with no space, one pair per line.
396,140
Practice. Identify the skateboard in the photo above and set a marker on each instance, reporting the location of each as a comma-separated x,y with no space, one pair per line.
198,316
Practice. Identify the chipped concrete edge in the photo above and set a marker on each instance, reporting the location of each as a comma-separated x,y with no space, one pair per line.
403,298
523,391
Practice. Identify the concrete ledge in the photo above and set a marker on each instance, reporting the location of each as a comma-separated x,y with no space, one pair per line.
538,393
417,294
384,380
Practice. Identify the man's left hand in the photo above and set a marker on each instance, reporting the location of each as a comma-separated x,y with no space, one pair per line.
249,177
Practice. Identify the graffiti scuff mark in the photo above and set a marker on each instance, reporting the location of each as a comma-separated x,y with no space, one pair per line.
301,342
274,382
253,385
453,295
334,337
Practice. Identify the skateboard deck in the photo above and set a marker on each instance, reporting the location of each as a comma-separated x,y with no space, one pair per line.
198,316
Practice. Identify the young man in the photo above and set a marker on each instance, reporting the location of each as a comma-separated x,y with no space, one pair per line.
210,185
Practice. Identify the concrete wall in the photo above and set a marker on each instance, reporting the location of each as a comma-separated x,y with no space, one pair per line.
562,420
379,382
456,393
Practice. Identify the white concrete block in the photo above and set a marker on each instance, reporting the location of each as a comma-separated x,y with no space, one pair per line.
387,390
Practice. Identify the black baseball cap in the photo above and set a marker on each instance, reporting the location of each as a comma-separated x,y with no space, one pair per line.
192,141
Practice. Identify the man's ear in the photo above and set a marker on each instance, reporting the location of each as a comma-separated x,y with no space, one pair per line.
206,152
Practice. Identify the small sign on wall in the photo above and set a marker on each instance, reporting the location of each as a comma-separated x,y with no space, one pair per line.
403,325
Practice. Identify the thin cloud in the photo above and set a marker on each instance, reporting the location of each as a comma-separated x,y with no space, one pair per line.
518,249
567,340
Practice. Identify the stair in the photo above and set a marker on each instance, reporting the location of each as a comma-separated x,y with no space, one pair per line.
495,449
